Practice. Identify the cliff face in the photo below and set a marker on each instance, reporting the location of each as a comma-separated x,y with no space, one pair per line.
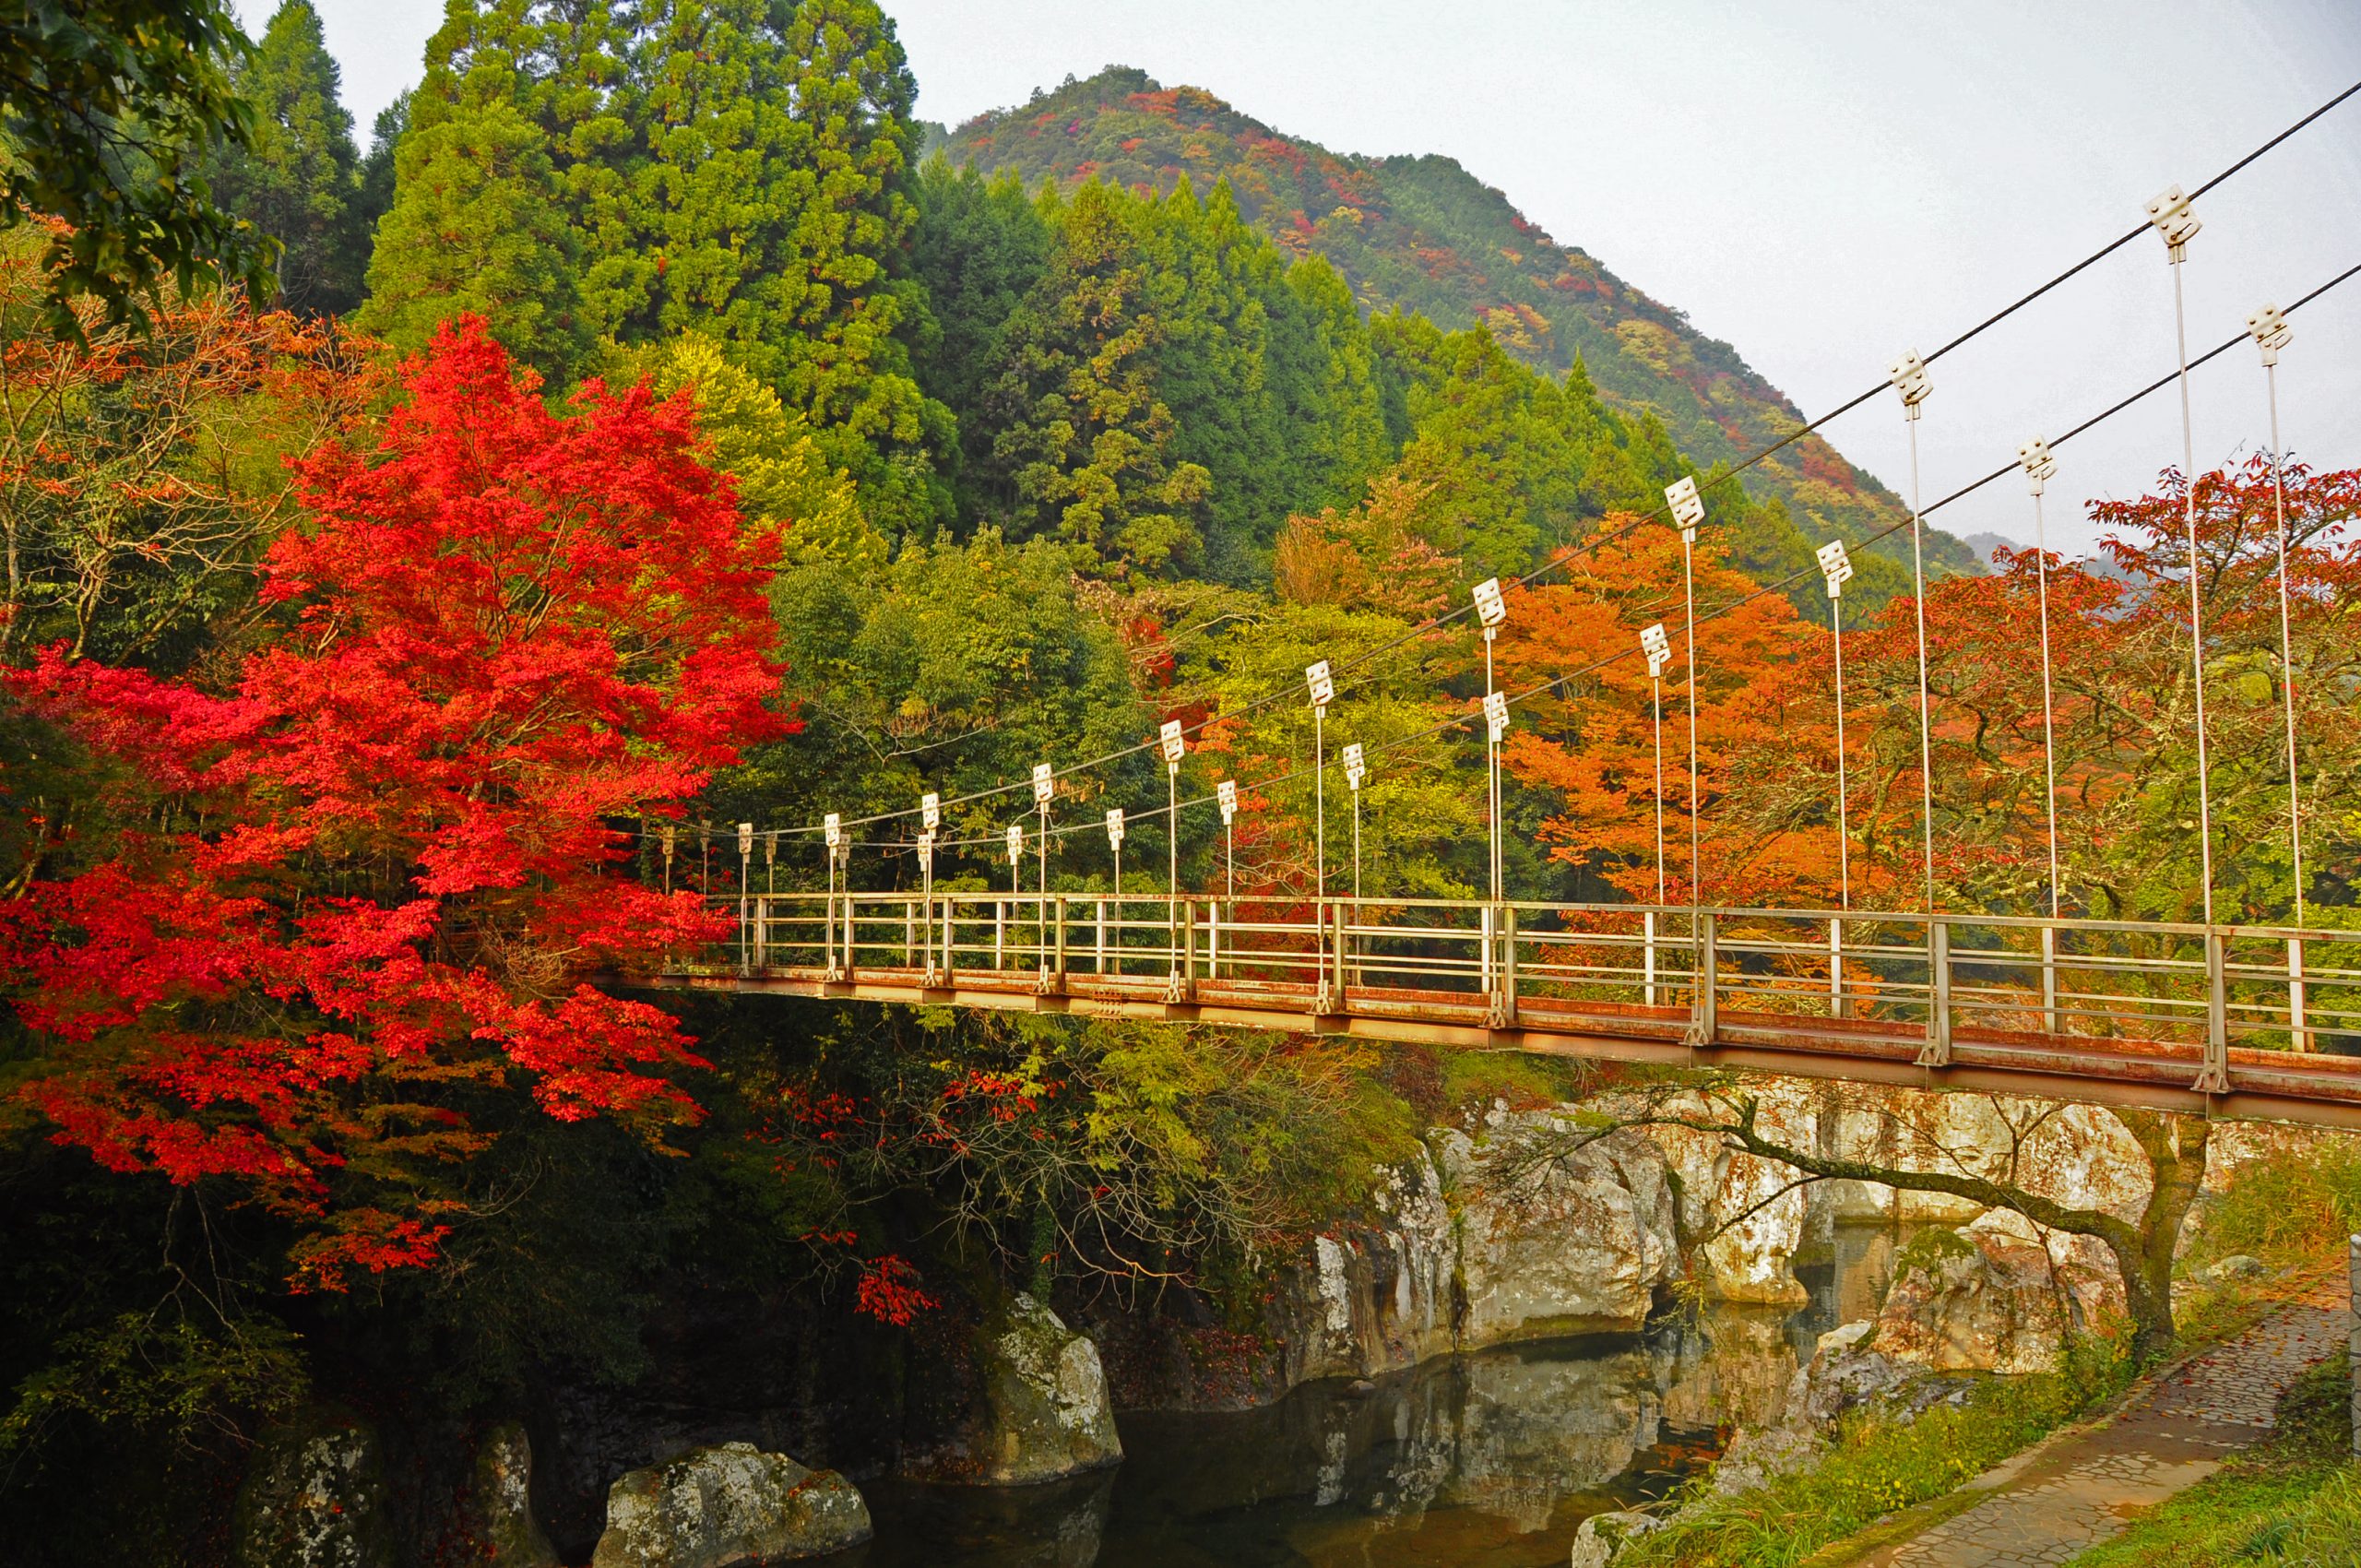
1423,234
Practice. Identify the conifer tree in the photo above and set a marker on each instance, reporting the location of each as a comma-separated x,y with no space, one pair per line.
299,183
479,222
1083,444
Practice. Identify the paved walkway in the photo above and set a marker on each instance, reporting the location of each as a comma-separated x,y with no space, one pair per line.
2080,1490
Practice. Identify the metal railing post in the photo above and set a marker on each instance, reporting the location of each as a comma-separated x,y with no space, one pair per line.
762,932
1705,1016
1053,976
950,937
1344,949
1648,942
2297,1035
1837,1005
2050,1020
1937,1052
2214,1076
1503,1009
1000,933
1213,939
1099,962
909,933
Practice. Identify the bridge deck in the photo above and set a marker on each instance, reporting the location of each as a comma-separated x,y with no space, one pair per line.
2266,1085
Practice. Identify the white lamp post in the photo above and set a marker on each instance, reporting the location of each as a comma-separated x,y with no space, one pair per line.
2040,468
1492,610
832,832
2271,333
1322,688
1909,377
1658,647
1687,512
1226,792
2176,225
1115,842
1045,787
1836,569
745,877
1355,769
1175,746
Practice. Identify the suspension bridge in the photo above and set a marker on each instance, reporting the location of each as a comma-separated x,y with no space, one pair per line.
2226,1020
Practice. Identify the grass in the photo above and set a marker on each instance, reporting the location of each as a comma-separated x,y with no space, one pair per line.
1877,1465
2294,1501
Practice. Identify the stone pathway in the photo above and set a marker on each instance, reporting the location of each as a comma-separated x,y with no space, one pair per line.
2079,1491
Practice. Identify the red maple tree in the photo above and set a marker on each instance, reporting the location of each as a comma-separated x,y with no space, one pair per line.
359,886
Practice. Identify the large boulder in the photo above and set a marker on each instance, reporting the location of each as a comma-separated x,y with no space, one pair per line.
1368,1298
725,1506
1744,1217
1985,1300
497,1511
1603,1537
1562,1230
1038,1410
315,1497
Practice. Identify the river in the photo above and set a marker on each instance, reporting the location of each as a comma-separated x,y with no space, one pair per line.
1490,1459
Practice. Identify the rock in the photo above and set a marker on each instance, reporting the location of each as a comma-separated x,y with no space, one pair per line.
1744,1217
2238,1265
315,1497
1371,1298
1986,1300
498,1510
728,1505
1758,1454
1602,1536
1842,1374
1562,1230
1039,1412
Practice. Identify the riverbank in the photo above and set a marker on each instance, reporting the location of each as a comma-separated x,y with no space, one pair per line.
1911,1469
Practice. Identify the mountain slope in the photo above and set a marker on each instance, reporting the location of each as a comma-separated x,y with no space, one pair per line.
1423,234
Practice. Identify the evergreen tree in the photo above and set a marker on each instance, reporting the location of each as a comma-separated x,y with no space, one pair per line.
299,183
979,249
377,165
1083,445
478,222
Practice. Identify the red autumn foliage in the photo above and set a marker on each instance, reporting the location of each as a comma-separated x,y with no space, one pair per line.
371,875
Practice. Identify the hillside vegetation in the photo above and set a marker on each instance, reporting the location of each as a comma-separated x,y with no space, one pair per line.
1421,234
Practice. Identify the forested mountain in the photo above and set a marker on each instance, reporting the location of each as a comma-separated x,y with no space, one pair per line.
1421,234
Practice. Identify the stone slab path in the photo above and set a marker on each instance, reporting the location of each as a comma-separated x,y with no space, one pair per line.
2077,1492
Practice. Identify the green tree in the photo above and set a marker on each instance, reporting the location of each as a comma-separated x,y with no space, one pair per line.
106,111
480,220
1083,445
979,250
299,182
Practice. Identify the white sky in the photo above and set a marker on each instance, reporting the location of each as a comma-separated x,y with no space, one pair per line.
1820,183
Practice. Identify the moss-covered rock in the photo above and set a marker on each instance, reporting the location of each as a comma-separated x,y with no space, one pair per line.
499,1504
315,1497
1038,1412
729,1505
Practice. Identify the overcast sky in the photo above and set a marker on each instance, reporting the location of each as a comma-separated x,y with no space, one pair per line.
1822,185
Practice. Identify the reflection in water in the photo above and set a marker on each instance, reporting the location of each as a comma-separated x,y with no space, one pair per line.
1487,1460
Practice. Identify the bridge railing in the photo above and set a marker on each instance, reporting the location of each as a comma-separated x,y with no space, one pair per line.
2271,988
